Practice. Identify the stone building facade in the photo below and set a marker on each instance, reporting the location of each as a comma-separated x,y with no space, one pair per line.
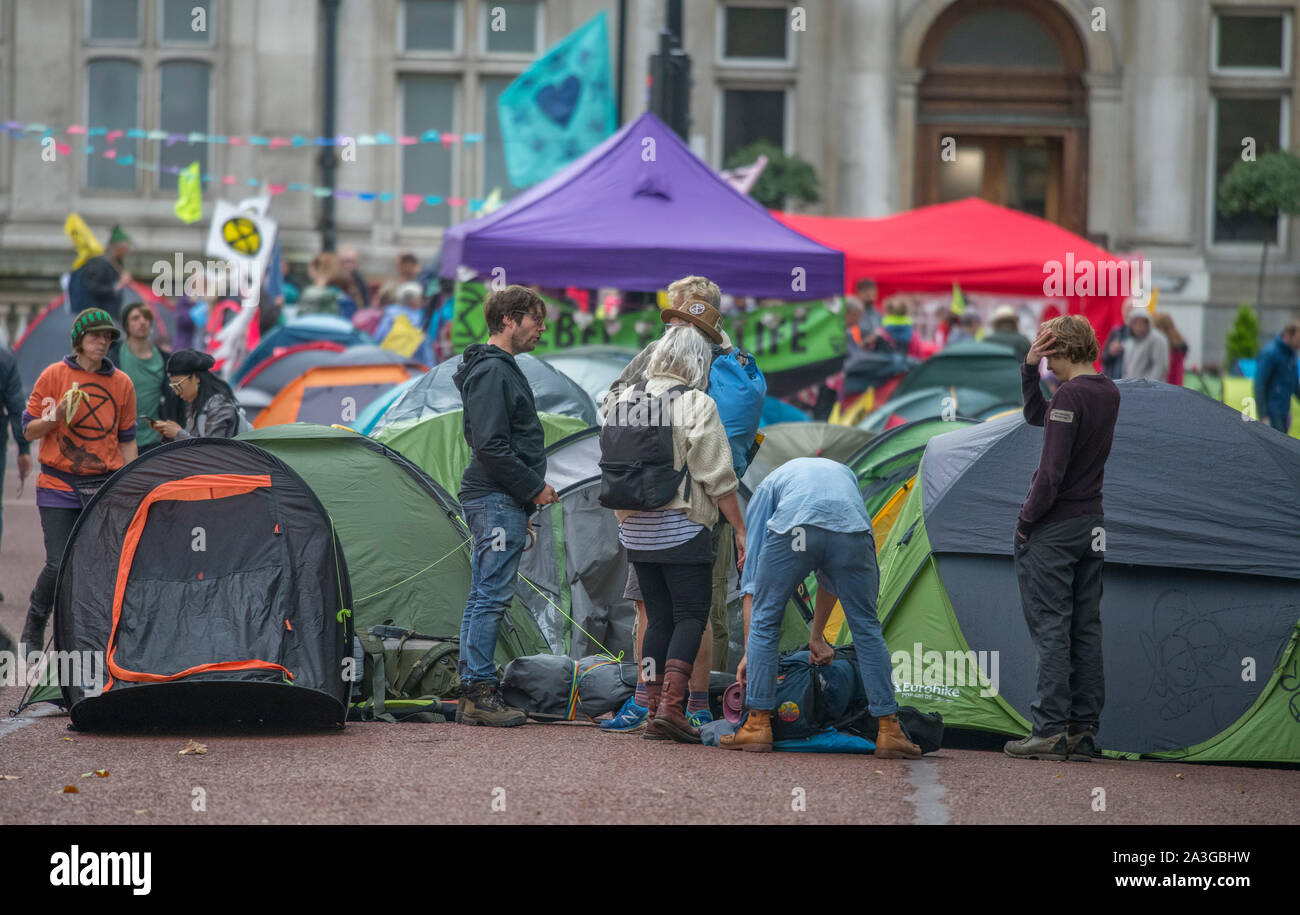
1114,118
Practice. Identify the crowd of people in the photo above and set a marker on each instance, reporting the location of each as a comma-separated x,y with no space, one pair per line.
670,474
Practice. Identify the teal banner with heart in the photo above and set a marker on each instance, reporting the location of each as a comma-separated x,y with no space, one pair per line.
561,107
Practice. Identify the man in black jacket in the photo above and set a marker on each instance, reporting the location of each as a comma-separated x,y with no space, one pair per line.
502,486
12,402
1060,541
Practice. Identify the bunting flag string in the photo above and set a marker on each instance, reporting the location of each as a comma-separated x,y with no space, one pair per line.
170,138
410,202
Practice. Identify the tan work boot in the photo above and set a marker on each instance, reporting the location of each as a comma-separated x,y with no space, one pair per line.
754,736
892,743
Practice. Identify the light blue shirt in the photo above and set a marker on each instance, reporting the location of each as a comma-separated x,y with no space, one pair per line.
815,492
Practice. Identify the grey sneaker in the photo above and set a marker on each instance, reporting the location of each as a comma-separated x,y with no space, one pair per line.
484,705
1032,747
1081,747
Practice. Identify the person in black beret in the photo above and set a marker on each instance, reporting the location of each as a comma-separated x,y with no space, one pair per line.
207,407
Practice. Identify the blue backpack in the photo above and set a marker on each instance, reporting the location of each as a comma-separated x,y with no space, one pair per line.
740,392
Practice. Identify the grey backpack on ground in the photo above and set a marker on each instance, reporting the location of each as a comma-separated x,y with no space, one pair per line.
543,686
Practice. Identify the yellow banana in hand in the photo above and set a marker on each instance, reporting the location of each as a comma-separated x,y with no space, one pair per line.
74,396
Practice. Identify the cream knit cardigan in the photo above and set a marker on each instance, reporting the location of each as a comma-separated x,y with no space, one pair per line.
700,441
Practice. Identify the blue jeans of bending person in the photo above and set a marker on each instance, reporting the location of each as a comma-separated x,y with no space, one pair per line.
846,564
497,524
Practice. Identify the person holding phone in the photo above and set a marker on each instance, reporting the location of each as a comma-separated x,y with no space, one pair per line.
207,405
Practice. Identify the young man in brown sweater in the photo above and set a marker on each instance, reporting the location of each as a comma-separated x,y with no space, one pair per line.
1060,539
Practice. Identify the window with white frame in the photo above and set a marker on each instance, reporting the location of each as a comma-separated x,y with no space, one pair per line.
1246,43
431,25
1242,124
184,93
755,34
750,115
133,86
429,102
113,100
1250,84
185,22
510,26
452,67
113,21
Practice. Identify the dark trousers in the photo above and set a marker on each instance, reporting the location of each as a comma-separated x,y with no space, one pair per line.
1282,423
676,608
56,525
1060,591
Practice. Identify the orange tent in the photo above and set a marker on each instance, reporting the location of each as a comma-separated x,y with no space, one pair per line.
329,394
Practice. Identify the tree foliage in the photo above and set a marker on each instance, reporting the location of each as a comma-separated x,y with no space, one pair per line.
786,179
1243,337
1265,188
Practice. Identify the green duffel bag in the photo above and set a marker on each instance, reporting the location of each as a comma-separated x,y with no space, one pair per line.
401,664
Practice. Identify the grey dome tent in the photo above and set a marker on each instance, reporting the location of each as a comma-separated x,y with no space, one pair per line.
577,564
435,393
208,575
987,367
1202,532
594,368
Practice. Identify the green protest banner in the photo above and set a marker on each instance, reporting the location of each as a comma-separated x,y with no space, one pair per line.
786,337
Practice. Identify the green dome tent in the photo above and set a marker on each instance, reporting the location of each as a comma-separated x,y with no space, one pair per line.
436,444
1200,574
987,367
401,532
890,460
786,441
931,402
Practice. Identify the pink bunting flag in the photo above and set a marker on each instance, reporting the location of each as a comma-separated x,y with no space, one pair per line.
408,141
280,141
110,154
75,129
455,201
450,138
113,135
411,202
229,179
235,141
276,189
62,149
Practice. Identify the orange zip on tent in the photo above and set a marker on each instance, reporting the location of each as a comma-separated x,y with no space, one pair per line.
197,488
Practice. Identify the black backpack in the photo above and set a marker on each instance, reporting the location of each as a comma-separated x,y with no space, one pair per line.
636,453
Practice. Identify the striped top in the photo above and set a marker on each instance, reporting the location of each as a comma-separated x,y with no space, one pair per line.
661,529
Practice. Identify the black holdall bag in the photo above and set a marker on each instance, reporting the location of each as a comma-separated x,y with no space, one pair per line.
636,452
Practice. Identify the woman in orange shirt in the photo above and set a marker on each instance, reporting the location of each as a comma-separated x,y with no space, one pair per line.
82,411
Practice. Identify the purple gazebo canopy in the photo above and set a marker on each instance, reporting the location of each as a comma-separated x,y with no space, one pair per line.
637,212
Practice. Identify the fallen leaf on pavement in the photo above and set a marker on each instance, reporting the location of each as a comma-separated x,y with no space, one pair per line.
879,772
102,773
194,747
71,789
9,778
1178,775
68,738
140,811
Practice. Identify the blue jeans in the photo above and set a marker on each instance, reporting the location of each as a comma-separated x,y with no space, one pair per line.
497,523
847,565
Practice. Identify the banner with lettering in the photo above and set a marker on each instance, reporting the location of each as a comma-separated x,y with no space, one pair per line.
796,344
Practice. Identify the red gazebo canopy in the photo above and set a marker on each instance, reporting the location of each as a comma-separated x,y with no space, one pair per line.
981,246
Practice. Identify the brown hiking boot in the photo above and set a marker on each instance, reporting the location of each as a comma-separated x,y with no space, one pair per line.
484,705
755,736
892,743
669,718
653,691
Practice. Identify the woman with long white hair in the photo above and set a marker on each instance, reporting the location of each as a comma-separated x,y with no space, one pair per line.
670,546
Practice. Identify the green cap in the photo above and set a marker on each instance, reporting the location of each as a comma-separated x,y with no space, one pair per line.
118,234
92,319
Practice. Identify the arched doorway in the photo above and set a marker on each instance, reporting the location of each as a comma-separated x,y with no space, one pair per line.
1002,110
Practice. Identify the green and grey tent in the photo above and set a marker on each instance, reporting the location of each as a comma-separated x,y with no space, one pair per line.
593,368
436,444
786,441
407,548
890,460
987,367
435,392
929,402
1201,584
573,579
